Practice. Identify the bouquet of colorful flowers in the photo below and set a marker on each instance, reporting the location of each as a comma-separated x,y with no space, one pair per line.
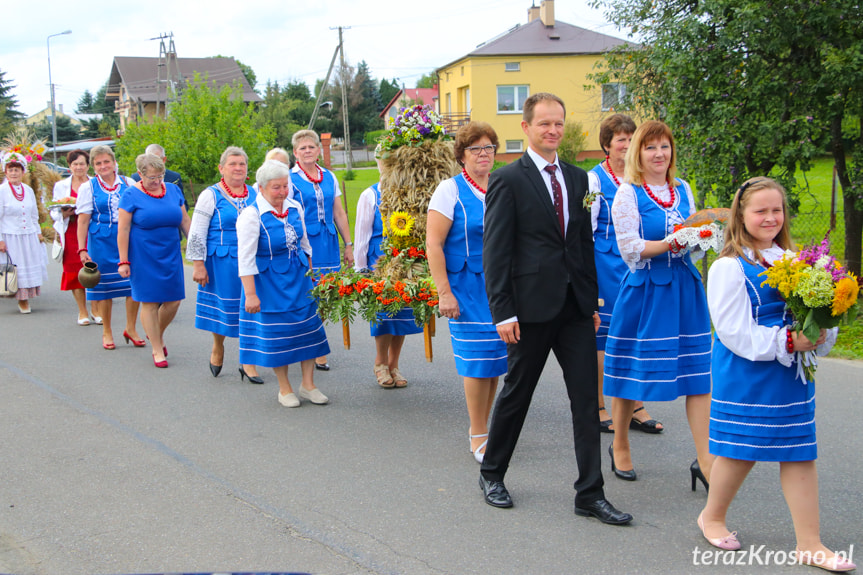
411,127
818,291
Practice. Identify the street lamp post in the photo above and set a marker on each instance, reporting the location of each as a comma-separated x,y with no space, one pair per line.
51,84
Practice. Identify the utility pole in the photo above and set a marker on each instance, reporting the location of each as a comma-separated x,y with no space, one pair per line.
324,88
168,62
348,158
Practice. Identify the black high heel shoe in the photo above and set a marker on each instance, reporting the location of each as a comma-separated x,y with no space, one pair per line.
252,378
695,471
216,370
625,475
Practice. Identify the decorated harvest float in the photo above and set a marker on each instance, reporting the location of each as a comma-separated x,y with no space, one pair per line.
416,155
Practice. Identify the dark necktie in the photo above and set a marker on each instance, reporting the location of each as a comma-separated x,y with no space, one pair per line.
558,197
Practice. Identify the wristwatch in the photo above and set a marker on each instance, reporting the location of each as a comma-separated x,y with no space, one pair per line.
349,244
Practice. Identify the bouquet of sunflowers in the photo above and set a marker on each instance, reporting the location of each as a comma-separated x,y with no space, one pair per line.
818,291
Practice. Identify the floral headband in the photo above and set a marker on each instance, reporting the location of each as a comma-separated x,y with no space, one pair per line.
13,158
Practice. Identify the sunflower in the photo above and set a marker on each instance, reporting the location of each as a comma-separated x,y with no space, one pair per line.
401,224
845,295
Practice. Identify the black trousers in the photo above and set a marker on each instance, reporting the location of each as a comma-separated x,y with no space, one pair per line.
573,340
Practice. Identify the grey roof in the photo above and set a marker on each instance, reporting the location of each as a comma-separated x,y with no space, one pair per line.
535,38
140,74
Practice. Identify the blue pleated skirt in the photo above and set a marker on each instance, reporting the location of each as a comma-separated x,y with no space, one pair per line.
658,346
400,324
610,270
477,347
102,247
218,306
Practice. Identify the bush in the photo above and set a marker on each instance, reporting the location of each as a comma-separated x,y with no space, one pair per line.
372,137
574,141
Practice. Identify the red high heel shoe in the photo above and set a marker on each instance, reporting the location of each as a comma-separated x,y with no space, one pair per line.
135,342
163,363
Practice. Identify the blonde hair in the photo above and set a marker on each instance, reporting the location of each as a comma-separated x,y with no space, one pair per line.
305,135
271,155
736,236
99,151
149,162
646,133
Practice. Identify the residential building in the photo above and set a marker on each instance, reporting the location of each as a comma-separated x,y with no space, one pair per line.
410,97
75,119
141,87
492,82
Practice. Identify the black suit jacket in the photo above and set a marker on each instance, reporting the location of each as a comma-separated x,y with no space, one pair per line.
527,261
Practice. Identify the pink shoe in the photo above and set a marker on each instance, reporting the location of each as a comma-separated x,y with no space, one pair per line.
835,563
728,543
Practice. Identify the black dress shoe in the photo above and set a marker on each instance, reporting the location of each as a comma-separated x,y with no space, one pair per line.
604,511
252,378
322,366
494,492
625,475
215,370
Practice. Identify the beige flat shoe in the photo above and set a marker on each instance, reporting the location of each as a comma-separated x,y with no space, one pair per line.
314,395
289,400
398,379
382,373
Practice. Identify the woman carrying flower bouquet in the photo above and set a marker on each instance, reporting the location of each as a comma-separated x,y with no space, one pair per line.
658,346
20,234
761,410
454,246
389,332
317,191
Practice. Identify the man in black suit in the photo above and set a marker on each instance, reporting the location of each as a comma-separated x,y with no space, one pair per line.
541,282
171,177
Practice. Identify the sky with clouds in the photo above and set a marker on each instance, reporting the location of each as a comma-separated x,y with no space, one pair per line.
281,40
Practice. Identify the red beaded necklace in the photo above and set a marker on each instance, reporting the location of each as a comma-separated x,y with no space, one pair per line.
105,186
611,172
146,191
665,205
231,192
18,195
471,182
320,177
281,215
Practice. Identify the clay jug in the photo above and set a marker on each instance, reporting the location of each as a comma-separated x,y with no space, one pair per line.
89,275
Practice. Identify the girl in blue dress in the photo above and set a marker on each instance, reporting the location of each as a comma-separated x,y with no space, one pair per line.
454,247
658,345
98,208
389,332
279,323
760,410
152,213
317,191
615,135
212,249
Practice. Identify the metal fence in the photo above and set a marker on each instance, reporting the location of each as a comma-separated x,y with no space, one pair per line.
810,227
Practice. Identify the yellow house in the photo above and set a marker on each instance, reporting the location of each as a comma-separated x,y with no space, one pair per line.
491,83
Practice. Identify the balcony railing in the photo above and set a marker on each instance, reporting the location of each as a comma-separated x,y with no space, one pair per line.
452,122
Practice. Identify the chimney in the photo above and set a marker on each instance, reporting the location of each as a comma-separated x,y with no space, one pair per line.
546,13
532,13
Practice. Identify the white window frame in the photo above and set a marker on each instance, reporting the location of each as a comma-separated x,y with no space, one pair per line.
518,90
514,146
620,101
512,67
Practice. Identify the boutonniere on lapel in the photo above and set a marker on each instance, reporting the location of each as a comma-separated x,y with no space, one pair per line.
589,198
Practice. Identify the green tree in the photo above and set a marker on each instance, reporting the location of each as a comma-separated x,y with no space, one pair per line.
201,124
8,101
363,102
286,109
388,89
66,130
427,80
86,103
573,143
750,87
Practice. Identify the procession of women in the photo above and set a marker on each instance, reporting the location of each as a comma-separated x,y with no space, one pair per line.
258,254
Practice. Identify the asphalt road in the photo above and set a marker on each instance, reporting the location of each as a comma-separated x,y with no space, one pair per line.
108,465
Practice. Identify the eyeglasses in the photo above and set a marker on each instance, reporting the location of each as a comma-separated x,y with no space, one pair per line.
153,178
475,150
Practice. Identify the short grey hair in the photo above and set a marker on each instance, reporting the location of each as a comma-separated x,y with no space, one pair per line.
156,150
305,135
271,155
233,151
149,164
100,151
269,171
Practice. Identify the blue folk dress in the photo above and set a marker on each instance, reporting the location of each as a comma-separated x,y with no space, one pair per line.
610,267
287,328
759,411
317,201
403,322
102,241
478,349
658,345
154,244
218,303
